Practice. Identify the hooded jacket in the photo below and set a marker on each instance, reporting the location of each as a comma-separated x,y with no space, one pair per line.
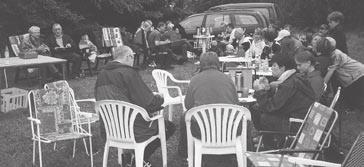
292,98
121,82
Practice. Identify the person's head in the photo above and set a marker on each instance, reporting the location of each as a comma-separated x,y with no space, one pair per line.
170,25
84,37
229,27
324,29
239,33
209,60
57,29
325,46
315,38
305,61
335,18
34,32
146,25
288,27
161,26
176,29
124,54
280,64
258,34
269,35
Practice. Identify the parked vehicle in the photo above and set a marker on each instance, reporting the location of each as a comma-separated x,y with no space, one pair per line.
269,10
248,19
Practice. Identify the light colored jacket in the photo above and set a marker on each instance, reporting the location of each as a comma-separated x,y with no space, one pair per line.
347,70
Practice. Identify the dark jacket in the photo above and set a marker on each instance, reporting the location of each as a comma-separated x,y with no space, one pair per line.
52,43
317,83
292,98
208,87
121,82
338,34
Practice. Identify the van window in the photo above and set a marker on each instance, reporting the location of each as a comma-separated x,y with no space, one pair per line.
245,20
192,22
217,20
265,11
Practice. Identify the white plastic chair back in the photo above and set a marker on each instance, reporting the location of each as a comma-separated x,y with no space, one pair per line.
119,117
161,79
218,125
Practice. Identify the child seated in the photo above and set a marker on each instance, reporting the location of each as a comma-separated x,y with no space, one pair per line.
89,47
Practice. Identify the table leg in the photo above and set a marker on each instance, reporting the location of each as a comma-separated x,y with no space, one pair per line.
64,71
6,78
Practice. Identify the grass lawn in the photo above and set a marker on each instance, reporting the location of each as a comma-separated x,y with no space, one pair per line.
15,132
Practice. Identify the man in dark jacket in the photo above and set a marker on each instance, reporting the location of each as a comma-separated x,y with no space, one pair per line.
292,98
62,46
336,30
120,81
210,86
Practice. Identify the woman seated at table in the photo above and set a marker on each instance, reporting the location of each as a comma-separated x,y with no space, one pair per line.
34,43
292,98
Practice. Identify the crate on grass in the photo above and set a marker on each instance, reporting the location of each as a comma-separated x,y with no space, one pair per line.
13,98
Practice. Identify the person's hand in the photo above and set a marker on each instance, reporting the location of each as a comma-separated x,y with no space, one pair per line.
68,45
261,84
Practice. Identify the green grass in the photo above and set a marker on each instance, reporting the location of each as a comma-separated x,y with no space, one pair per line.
15,133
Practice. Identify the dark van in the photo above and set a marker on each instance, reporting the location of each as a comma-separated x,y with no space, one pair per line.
269,10
248,19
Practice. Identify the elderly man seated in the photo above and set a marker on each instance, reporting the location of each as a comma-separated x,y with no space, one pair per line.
118,80
210,86
290,96
33,42
62,46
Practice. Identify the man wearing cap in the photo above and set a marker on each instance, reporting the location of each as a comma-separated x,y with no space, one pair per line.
62,46
33,42
118,80
288,45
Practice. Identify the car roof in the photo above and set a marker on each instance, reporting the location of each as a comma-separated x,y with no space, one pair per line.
247,11
241,5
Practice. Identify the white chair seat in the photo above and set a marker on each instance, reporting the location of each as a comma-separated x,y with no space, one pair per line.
173,100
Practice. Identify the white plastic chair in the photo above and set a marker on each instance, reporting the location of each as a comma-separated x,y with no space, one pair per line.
82,117
218,125
161,79
119,117
52,121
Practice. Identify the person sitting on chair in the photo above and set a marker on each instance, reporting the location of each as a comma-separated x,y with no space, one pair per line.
118,80
62,46
89,48
158,44
34,43
209,86
292,98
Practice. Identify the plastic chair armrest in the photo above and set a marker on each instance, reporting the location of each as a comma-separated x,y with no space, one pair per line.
180,81
296,120
37,121
86,114
304,161
289,151
86,100
283,133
